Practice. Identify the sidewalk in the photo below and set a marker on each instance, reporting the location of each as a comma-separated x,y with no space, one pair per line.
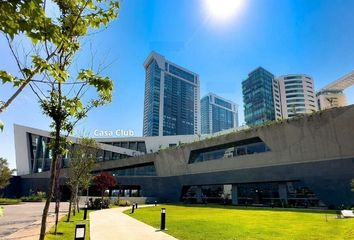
23,221
114,224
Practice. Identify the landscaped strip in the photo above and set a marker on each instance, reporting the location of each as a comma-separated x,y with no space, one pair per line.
8,201
66,230
196,222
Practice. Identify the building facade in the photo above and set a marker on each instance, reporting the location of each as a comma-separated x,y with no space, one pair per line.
295,163
171,103
35,156
333,95
294,94
330,98
217,114
258,97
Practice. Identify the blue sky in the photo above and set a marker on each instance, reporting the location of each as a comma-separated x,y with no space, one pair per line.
314,37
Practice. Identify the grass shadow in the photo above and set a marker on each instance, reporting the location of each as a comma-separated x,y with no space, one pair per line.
253,208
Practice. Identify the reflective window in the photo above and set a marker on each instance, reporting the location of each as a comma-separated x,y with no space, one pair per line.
181,73
41,156
293,82
233,149
137,170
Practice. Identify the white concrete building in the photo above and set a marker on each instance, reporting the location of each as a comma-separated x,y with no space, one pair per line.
33,154
293,94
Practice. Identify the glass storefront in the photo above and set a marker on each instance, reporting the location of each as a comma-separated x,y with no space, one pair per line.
271,194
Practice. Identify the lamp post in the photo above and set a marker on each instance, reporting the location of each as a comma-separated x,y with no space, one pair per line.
85,211
163,219
133,206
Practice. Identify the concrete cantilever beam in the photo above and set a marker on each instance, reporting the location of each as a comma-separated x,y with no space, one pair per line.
341,83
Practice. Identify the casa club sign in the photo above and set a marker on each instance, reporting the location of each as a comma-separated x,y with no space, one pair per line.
113,133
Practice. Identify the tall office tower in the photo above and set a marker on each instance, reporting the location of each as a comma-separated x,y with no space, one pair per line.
296,95
217,114
333,95
258,97
171,103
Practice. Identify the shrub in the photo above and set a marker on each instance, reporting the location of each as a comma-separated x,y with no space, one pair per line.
123,203
98,203
6,201
38,197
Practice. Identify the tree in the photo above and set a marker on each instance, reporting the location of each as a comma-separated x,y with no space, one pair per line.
5,173
82,162
103,182
55,39
293,110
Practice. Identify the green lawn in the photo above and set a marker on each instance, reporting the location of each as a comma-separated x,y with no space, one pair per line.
194,222
66,230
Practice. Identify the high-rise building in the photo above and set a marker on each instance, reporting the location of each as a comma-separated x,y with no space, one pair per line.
171,103
217,114
294,94
258,97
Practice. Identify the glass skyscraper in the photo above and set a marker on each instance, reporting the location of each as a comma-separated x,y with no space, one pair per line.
171,103
217,114
258,99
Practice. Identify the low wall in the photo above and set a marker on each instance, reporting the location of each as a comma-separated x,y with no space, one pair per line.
139,200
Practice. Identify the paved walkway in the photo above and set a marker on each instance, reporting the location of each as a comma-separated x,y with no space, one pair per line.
114,224
23,221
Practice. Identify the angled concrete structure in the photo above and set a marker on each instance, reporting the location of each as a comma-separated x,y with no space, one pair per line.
300,162
333,95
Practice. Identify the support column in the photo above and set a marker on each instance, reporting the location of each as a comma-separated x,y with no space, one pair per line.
199,195
234,196
283,193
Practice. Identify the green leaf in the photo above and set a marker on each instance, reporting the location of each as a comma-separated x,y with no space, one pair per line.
1,125
6,77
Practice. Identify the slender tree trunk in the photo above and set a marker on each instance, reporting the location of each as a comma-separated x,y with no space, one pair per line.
102,199
77,199
57,196
74,207
53,170
70,202
57,207
74,201
87,194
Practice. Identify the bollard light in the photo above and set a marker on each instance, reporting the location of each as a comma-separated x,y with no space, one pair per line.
133,205
80,231
163,219
85,212
155,203
136,205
